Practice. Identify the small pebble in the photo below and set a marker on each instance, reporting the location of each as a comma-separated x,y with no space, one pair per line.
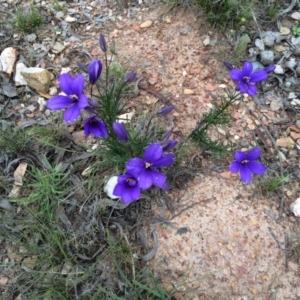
298,123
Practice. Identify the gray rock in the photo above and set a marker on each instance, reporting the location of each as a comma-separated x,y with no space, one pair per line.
64,61
259,44
244,143
296,41
297,50
31,38
291,63
37,78
59,15
267,57
276,104
298,70
270,38
298,123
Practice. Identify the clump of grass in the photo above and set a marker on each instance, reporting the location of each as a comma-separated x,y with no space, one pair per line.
272,184
28,19
58,7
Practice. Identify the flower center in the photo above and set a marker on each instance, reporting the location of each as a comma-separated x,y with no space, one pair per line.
245,161
74,97
131,181
246,79
147,165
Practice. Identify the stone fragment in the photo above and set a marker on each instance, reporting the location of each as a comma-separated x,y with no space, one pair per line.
58,47
19,80
295,135
37,78
8,58
267,57
292,95
276,104
41,101
31,38
279,48
285,30
188,92
286,142
59,15
295,207
298,123
146,24
64,61
291,63
295,15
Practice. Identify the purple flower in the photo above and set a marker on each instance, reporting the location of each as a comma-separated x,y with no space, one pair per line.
165,110
245,163
168,145
144,169
246,78
94,126
74,100
127,188
102,43
94,69
130,77
120,131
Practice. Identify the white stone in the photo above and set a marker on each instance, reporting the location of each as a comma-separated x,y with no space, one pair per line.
206,42
110,186
19,79
41,101
278,70
70,19
295,207
295,15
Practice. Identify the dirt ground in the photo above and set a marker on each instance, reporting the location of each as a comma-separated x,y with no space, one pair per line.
224,246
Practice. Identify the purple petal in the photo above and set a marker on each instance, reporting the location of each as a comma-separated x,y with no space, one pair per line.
252,90
77,86
235,167
243,87
247,69
94,70
164,161
158,178
167,135
256,167
102,43
65,83
240,156
236,75
130,77
96,127
146,178
135,166
257,76
59,102
168,145
130,195
153,152
228,65
120,131
245,174
270,68
253,154
72,113
82,101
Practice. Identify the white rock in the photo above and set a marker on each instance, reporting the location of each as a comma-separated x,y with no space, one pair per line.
41,101
295,207
295,15
292,95
8,58
206,42
53,91
109,187
19,79
278,70
70,19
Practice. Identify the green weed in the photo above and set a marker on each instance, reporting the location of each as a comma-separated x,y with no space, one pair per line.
272,184
28,19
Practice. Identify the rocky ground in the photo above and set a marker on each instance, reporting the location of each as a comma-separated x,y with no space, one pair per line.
224,240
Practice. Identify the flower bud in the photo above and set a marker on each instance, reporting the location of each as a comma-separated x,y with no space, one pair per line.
270,68
168,145
102,42
228,65
130,77
165,110
94,69
120,131
167,135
